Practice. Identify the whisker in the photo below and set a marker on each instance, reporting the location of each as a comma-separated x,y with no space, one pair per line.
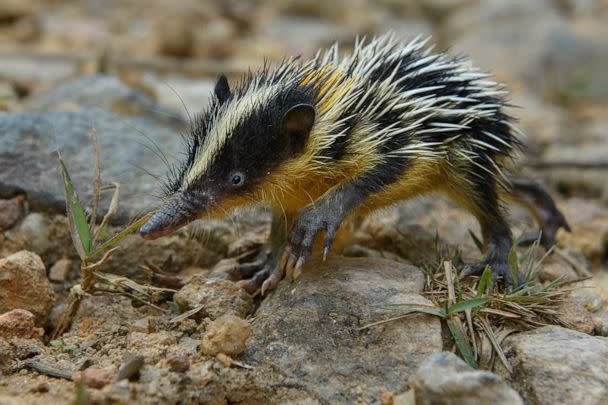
142,133
166,113
190,120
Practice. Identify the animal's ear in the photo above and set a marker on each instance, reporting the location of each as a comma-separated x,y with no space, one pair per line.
297,123
222,89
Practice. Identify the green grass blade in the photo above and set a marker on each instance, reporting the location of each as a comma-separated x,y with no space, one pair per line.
81,393
461,341
119,236
553,284
468,304
485,282
79,228
513,264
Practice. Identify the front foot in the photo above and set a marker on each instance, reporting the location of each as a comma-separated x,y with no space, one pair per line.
311,221
263,273
500,270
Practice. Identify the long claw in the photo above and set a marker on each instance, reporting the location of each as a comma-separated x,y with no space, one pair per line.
246,270
499,269
284,259
297,271
227,266
291,263
264,287
247,285
270,283
289,268
540,204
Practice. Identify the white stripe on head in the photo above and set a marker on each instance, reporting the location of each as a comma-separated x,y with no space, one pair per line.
223,124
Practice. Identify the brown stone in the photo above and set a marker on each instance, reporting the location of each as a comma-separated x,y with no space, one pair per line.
95,377
23,284
60,270
180,363
576,317
19,323
10,212
218,297
227,334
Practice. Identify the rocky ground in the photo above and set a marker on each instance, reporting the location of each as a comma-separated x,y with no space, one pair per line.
136,74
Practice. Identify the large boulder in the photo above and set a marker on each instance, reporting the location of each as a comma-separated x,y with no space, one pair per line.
309,332
28,163
101,91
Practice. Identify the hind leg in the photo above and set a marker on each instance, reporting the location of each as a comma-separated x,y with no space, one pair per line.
479,197
542,207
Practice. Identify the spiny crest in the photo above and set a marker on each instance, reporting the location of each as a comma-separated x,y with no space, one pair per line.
427,100
385,99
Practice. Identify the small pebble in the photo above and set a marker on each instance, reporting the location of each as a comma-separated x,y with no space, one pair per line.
10,212
60,270
41,387
224,359
94,377
227,334
130,367
25,285
19,323
218,297
180,363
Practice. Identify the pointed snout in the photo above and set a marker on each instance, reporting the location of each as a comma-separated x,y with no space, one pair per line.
177,211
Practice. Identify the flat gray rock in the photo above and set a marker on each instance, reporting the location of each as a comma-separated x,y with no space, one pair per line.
308,330
106,92
28,161
555,365
445,378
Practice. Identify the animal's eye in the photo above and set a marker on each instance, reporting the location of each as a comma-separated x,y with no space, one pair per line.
237,179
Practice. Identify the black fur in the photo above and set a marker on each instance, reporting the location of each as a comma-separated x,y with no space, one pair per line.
393,166
271,134
222,89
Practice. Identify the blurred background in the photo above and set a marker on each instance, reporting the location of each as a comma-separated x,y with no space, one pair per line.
552,53
154,63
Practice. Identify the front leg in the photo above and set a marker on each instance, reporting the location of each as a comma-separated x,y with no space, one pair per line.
324,215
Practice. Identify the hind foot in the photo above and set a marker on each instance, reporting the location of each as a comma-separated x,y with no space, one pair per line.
540,204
